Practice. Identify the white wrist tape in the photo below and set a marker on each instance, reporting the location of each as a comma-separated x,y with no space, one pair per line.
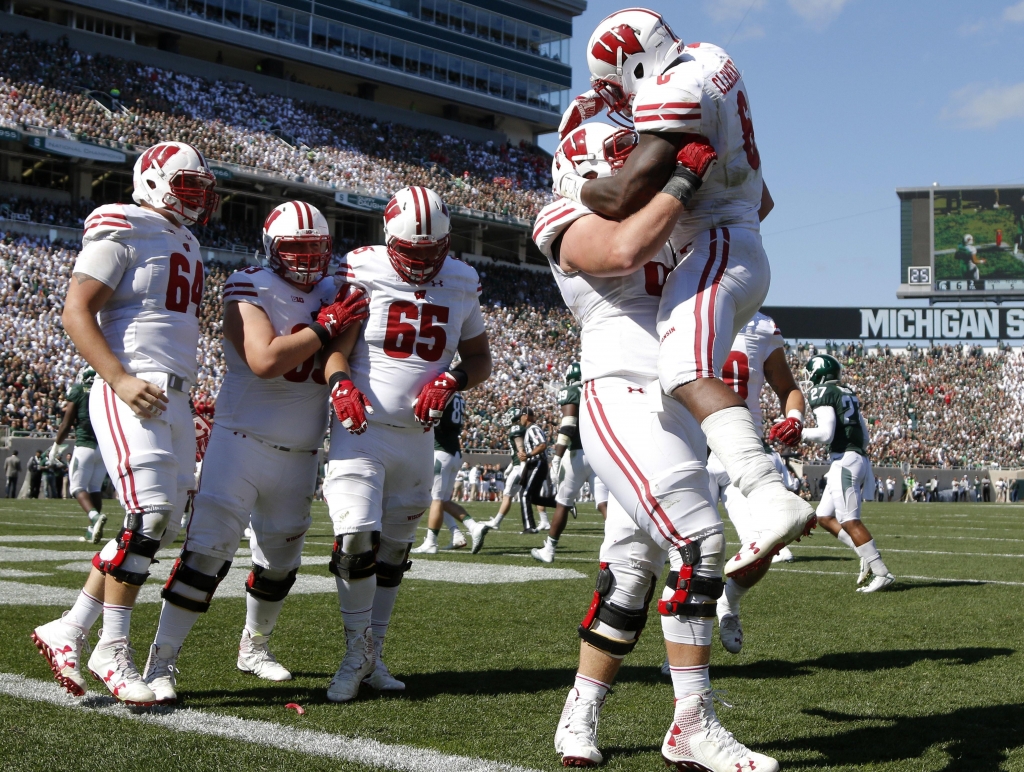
563,440
570,186
569,420
795,414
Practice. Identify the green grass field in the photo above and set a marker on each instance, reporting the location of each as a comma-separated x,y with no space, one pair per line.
926,676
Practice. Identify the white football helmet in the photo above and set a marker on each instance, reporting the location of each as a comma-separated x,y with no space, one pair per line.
174,177
297,242
417,231
968,240
593,147
625,49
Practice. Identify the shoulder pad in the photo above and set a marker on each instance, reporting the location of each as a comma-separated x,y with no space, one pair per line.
516,431
106,222
246,283
552,222
671,101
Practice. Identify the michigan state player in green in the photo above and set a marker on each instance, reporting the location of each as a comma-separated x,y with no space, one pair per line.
85,477
842,427
447,460
514,471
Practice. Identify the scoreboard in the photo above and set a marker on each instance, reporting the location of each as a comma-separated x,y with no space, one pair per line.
960,243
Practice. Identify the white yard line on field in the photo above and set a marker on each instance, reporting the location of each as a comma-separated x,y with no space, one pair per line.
263,733
36,525
901,576
36,538
946,538
803,547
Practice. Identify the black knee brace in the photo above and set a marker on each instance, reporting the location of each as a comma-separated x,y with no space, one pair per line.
128,542
263,588
358,566
390,575
683,583
613,615
192,578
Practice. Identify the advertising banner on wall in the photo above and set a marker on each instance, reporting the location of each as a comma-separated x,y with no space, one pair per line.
904,324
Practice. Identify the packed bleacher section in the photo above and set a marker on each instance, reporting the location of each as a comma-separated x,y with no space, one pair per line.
58,88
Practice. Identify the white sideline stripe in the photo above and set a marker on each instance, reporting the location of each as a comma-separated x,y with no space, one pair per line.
802,547
900,576
14,573
29,555
36,525
36,538
468,573
949,538
594,560
310,742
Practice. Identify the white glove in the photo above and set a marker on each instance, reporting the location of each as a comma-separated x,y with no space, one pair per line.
556,464
52,453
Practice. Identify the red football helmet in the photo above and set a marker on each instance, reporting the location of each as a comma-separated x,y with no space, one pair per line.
417,229
297,241
174,177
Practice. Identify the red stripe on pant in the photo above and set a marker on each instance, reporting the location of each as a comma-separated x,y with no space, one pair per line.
641,486
698,332
711,307
127,476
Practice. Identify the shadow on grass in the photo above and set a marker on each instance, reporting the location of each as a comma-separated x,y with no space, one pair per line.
975,739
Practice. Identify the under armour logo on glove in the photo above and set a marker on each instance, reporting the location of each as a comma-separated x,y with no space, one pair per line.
434,398
349,307
203,430
350,404
788,432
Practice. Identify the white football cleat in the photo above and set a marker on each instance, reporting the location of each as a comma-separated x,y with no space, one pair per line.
61,645
477,533
576,736
254,656
785,556
94,533
544,525
161,673
780,517
357,664
381,678
545,554
730,631
426,548
877,583
666,669
865,571
458,541
698,741
113,663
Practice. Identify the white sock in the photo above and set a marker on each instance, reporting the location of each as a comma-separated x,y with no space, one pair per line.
261,615
844,538
469,522
430,538
355,598
174,626
451,523
590,688
383,608
85,612
497,518
552,543
689,680
732,437
93,514
869,552
729,603
116,622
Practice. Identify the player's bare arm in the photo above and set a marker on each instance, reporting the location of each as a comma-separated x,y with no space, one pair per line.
86,297
563,440
767,203
249,330
67,422
475,356
644,174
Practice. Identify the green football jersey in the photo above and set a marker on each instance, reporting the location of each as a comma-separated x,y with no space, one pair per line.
513,432
84,437
570,395
448,430
848,435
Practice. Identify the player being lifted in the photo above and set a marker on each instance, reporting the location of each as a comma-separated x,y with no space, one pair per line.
513,419
132,311
260,467
389,386
447,455
567,478
85,477
650,452
692,111
842,427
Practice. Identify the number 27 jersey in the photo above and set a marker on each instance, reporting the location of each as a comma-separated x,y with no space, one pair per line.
413,330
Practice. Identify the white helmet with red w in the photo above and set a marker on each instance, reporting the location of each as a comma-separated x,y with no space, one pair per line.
174,177
417,231
297,241
597,148
626,48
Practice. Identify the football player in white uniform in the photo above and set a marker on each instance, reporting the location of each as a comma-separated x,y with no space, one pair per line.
261,462
132,310
650,452
389,385
691,109
757,357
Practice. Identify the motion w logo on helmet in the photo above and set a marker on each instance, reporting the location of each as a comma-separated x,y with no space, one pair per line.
158,154
621,38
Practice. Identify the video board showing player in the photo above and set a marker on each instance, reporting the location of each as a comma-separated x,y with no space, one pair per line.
979,239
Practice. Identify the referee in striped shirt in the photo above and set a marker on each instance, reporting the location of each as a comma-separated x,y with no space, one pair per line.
535,470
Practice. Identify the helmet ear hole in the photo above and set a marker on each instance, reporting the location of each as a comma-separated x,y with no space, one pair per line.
638,71
152,185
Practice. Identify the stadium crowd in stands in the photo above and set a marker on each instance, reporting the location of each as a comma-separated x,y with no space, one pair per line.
62,89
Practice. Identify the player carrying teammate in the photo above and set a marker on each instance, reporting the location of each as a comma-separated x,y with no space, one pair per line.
85,477
447,455
691,109
261,463
132,311
389,386
649,451
842,427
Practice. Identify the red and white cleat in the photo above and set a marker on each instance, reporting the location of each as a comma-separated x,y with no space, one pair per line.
576,736
780,517
113,663
697,742
61,645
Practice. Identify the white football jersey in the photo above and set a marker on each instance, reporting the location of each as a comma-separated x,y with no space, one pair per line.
617,315
744,369
155,268
703,93
412,333
290,410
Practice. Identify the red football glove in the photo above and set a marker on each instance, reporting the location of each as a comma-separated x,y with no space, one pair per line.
787,432
203,429
698,156
350,404
583,107
434,398
349,307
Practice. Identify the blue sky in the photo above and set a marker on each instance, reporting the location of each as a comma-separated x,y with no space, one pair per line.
852,99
